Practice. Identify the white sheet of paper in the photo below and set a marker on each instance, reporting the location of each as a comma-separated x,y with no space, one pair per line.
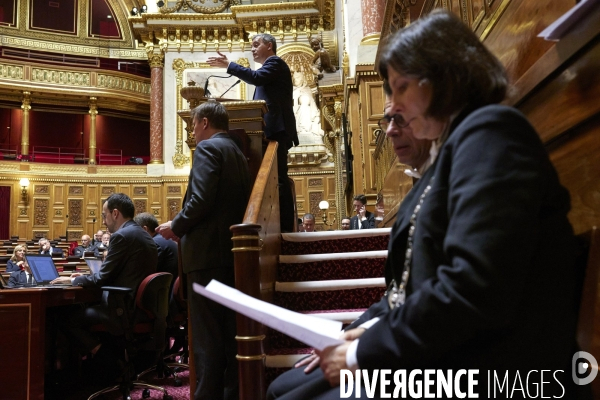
313,331
556,30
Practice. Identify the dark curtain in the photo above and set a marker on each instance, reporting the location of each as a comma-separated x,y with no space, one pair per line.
4,212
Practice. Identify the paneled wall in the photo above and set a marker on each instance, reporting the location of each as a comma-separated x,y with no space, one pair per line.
55,204
311,188
365,108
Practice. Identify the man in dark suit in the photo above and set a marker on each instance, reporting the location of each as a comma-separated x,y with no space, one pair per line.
86,245
167,249
46,248
216,198
273,83
363,219
132,256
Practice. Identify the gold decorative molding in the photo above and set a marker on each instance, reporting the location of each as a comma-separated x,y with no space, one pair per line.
78,44
72,49
11,71
494,19
58,77
371,39
110,81
185,5
62,86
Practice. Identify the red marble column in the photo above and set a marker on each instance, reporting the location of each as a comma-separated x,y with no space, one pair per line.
372,16
156,108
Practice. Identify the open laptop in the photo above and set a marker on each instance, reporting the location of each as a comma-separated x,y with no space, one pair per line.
43,269
94,264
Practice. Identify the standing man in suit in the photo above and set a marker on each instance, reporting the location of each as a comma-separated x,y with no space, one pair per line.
273,83
217,194
132,256
363,218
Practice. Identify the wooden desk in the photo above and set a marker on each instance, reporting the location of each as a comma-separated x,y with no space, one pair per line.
22,336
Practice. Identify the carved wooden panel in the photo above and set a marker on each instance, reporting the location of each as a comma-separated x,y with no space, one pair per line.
41,189
140,190
59,190
75,212
315,182
39,234
156,194
173,189
140,206
375,100
174,206
75,190
108,190
314,200
92,195
74,235
40,213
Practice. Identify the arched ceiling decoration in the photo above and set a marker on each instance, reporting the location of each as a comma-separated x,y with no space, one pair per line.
95,28
193,25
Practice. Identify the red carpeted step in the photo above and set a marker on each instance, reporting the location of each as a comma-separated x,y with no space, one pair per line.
335,242
331,299
331,269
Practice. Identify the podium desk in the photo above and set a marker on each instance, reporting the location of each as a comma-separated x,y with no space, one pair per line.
23,336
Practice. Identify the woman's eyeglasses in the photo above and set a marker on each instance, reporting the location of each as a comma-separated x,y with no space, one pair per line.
396,118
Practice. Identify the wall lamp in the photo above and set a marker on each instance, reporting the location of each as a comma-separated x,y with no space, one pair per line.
324,206
24,182
140,11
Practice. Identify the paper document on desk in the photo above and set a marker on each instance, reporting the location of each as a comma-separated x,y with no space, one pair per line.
313,331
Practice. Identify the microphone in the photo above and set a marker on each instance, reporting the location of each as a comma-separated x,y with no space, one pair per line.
230,87
206,91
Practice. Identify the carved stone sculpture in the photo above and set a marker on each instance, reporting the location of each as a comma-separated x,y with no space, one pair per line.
321,61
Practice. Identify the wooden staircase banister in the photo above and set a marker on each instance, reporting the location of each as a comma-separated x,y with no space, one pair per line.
256,247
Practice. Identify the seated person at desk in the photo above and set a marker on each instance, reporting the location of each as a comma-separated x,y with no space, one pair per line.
98,237
46,248
17,259
102,247
86,246
167,249
131,258
22,276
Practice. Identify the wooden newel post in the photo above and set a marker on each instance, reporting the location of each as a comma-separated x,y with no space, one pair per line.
250,334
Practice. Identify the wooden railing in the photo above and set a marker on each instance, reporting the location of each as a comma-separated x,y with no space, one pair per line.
256,247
